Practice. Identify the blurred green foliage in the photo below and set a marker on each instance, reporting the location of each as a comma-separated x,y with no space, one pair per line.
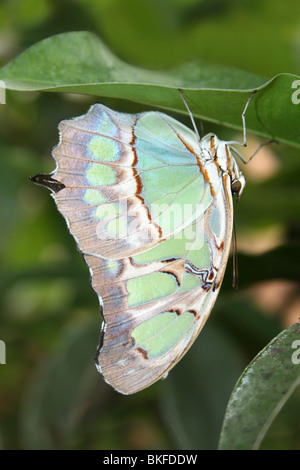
50,393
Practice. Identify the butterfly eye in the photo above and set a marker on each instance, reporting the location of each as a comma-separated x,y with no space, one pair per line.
236,187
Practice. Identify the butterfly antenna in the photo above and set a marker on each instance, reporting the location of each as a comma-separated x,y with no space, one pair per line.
190,114
235,274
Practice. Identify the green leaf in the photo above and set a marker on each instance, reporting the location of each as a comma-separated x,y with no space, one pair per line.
261,392
79,62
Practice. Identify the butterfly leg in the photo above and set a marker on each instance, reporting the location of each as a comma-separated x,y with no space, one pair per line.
244,143
190,114
271,141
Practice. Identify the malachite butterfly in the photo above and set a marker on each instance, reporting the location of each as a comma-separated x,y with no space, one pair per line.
150,206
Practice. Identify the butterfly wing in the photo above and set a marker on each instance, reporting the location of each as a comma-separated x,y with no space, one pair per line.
156,303
118,167
154,224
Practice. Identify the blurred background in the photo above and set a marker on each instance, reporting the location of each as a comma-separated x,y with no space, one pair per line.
51,396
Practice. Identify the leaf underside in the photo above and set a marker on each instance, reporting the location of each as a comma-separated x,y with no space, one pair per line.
262,390
79,62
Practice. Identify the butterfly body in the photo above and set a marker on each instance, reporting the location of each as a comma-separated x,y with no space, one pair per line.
150,206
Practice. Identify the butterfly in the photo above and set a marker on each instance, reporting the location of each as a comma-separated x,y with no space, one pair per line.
150,205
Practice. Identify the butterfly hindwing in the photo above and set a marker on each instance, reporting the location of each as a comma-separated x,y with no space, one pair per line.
156,303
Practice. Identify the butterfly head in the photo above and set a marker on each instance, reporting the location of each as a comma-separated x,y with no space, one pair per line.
220,152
